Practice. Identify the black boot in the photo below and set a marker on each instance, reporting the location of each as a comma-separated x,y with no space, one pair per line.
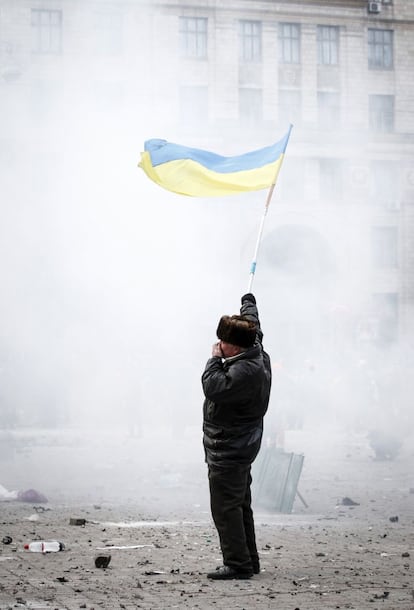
228,573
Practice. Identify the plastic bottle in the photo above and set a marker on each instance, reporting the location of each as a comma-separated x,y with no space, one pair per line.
44,546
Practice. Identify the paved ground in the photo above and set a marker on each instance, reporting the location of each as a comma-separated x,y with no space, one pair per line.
153,504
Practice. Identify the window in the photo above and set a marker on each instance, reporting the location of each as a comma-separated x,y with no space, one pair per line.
384,184
289,106
46,31
385,305
193,37
380,49
328,45
289,43
328,110
250,36
194,106
381,113
385,247
250,106
108,33
331,179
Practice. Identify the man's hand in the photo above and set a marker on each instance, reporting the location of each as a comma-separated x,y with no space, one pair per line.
249,297
217,351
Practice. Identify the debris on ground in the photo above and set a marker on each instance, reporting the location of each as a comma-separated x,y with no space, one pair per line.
102,561
77,521
348,502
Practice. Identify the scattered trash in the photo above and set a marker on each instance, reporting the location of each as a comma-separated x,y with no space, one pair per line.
40,509
348,502
394,519
300,580
149,523
76,521
62,579
31,495
7,540
34,517
134,546
102,561
153,573
382,595
44,546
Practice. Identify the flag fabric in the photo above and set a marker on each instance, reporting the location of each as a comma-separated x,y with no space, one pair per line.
200,173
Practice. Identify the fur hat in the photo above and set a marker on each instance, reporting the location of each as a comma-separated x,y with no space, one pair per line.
237,330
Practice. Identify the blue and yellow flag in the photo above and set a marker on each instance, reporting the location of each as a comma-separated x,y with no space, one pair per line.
200,173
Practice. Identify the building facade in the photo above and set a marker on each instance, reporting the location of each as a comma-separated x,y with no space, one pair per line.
231,75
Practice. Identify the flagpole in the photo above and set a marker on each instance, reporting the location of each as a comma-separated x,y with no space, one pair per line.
268,200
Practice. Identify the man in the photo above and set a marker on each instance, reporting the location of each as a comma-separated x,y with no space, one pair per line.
236,384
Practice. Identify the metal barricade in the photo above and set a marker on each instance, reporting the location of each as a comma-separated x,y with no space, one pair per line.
276,476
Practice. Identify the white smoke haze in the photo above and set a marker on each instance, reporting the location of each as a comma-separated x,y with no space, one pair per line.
112,287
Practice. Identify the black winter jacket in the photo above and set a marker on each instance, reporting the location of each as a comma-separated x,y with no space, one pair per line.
236,394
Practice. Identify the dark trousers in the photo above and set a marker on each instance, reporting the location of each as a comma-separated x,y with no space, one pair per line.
230,501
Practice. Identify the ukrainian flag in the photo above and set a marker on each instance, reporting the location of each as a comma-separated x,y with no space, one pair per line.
199,173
